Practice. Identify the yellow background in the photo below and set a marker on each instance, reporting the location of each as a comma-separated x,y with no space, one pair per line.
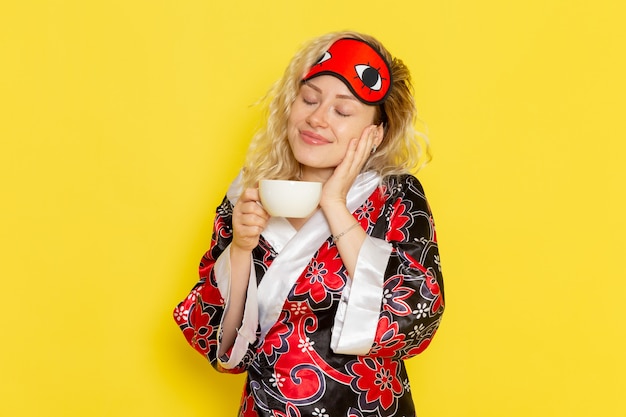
123,122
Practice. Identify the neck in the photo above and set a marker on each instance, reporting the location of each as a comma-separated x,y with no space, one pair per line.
316,174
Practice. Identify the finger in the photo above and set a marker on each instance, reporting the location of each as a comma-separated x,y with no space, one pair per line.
258,206
364,147
255,208
249,203
249,228
253,219
249,194
366,140
346,161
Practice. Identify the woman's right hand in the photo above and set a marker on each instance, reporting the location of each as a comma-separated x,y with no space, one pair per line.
249,220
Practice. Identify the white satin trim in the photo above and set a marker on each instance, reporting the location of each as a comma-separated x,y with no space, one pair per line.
246,334
358,312
278,232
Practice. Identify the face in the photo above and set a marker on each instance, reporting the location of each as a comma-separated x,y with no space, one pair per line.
325,117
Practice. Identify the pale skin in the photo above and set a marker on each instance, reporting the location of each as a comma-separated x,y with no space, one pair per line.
332,135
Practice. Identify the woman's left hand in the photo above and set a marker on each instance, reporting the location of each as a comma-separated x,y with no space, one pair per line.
336,188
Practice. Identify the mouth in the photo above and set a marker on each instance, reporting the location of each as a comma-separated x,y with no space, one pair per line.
313,138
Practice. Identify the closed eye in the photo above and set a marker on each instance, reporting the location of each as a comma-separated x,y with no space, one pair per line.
342,114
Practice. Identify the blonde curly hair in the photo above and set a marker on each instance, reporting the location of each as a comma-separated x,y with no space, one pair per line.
403,149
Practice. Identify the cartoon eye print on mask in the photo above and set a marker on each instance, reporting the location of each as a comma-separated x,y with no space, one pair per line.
324,58
370,76
359,66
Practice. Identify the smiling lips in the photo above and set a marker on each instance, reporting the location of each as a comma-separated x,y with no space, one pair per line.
313,138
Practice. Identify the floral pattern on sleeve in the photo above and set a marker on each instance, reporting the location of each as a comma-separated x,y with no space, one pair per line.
413,288
200,314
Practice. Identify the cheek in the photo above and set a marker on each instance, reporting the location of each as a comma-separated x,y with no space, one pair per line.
353,127
351,131
291,127
296,110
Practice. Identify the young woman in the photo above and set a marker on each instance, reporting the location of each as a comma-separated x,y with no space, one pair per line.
321,312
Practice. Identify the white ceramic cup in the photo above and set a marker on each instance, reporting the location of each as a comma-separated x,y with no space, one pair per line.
282,198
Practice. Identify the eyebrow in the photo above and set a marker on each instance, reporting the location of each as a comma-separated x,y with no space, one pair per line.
319,90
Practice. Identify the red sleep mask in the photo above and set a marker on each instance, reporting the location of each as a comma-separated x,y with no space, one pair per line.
359,66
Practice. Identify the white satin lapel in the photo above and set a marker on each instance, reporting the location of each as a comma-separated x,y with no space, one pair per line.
287,267
278,233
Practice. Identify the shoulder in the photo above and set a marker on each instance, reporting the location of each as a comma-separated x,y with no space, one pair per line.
403,186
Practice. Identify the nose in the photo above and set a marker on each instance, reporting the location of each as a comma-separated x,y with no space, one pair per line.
317,117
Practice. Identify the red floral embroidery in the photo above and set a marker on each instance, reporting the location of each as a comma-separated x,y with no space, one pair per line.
276,342
320,279
247,406
420,348
200,331
377,382
394,296
399,219
389,339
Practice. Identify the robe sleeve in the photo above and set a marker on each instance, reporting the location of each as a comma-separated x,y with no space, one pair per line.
200,315
393,305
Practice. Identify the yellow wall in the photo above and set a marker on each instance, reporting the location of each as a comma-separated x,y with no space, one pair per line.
122,123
